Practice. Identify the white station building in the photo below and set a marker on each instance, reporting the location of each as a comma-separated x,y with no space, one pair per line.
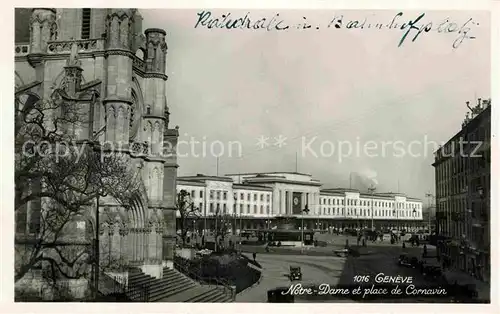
253,201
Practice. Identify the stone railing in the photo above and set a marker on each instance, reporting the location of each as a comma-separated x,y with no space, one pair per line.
84,45
22,49
138,63
139,149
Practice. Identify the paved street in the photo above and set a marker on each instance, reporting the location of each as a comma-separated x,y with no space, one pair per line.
315,269
333,270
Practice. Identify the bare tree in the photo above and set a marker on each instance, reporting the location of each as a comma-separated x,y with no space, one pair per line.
222,225
187,211
58,175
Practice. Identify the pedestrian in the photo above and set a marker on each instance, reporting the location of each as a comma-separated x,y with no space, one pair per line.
404,246
425,251
254,256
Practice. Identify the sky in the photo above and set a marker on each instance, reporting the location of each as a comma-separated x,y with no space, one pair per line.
314,90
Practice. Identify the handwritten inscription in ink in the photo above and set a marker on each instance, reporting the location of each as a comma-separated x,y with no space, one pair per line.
411,27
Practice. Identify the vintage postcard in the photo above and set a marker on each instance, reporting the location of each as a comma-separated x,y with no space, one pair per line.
252,155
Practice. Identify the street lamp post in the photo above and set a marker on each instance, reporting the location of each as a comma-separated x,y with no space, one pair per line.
235,215
396,213
205,213
429,198
372,190
305,210
216,215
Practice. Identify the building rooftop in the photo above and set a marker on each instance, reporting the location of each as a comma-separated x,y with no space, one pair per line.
202,177
340,190
267,173
482,108
251,186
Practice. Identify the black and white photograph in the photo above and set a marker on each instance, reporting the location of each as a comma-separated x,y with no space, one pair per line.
213,155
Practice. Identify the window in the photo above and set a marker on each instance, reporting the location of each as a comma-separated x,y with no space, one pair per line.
224,208
248,209
201,207
255,197
267,208
34,218
218,195
261,209
255,209
211,194
211,207
242,196
241,209
262,197
86,14
21,218
248,197
192,193
201,194
268,198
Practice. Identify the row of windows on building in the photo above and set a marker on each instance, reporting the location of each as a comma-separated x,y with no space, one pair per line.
223,195
217,208
339,211
337,201
457,229
448,184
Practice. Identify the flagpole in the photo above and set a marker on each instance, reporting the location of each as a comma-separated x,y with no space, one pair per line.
217,167
296,162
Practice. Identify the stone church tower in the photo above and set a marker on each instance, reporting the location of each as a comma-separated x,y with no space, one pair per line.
101,58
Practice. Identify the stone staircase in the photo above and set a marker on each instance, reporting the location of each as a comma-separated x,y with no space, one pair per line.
173,287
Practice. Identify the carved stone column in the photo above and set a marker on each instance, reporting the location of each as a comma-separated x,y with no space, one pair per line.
124,256
159,232
131,245
147,234
111,232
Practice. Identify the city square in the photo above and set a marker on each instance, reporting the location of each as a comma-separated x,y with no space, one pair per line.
254,171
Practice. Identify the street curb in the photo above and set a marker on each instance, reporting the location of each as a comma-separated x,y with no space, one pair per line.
255,284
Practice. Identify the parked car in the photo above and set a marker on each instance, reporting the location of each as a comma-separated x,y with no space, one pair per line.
295,273
278,295
404,260
432,271
347,252
408,261
341,252
463,293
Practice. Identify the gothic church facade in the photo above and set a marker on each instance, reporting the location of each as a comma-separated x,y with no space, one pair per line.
102,58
